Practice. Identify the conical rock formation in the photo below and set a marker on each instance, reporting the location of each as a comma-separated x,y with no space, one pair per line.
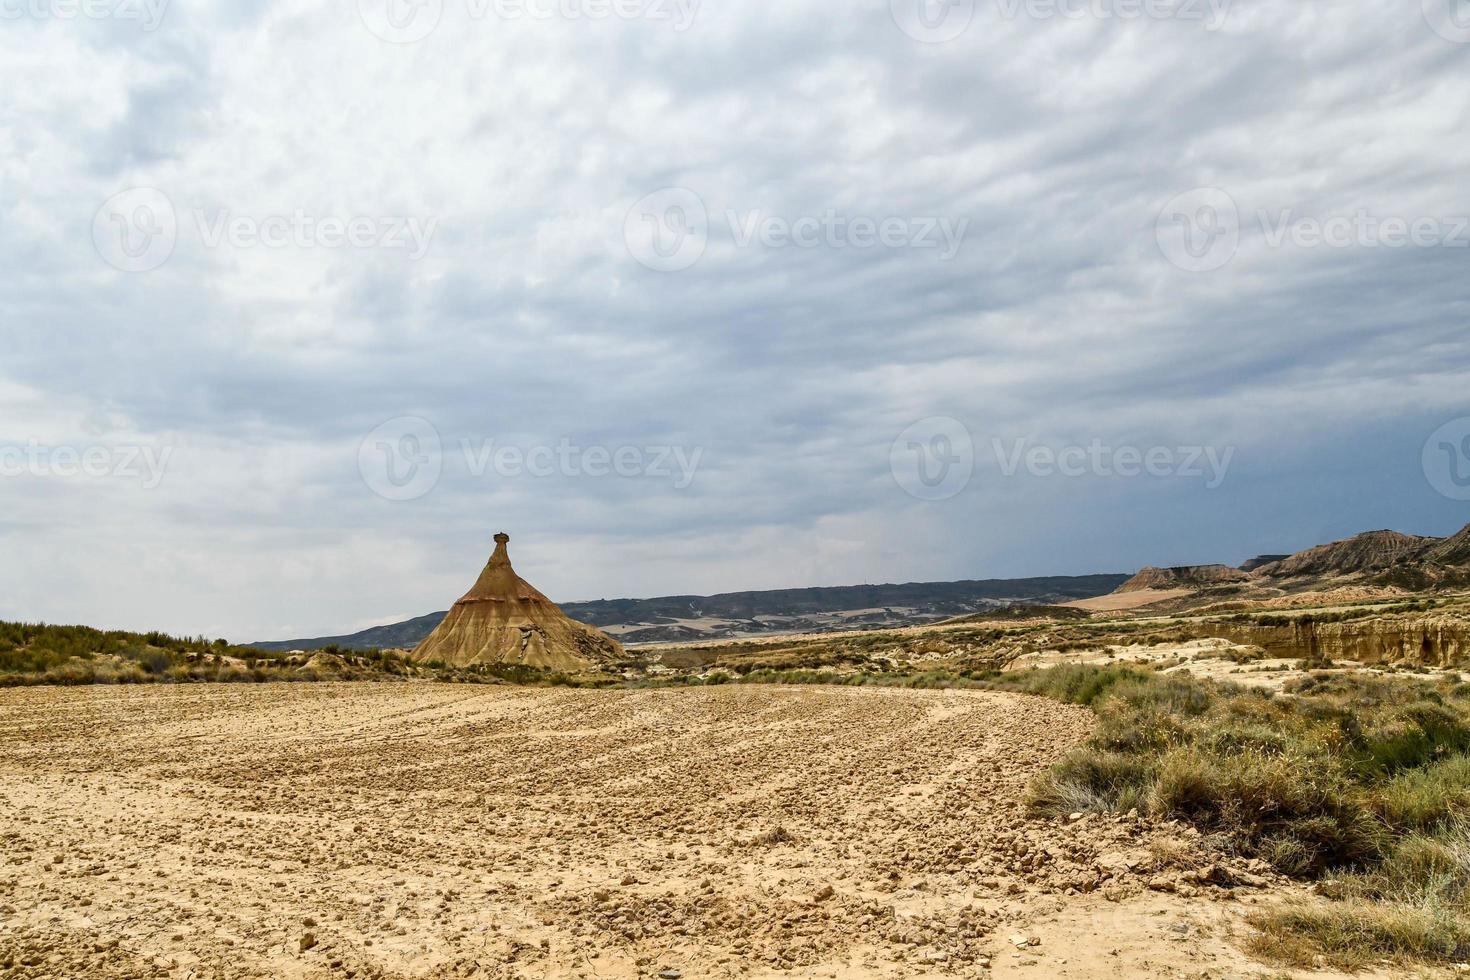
503,620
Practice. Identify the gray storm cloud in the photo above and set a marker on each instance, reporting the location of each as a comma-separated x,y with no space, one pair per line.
246,238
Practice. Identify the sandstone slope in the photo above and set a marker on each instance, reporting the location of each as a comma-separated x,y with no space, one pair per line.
503,620
1183,576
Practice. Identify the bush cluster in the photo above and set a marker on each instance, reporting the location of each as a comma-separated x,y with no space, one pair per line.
1349,775
41,653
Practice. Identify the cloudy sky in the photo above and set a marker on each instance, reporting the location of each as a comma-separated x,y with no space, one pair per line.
303,300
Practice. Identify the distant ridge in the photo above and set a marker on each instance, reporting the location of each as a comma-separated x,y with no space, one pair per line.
1373,557
1452,551
1183,577
755,613
1368,552
1259,561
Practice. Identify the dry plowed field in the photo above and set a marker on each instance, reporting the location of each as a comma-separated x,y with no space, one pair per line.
410,830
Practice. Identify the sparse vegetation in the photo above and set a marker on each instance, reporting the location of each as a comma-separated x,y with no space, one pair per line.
1365,778
40,653
1336,615
1359,781
1356,933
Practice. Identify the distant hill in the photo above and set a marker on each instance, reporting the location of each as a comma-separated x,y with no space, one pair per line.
405,636
1183,577
1452,551
1371,551
1409,561
734,614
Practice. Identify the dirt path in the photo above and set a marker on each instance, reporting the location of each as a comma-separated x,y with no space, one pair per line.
426,830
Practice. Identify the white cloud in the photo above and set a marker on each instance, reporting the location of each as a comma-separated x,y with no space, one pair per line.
792,369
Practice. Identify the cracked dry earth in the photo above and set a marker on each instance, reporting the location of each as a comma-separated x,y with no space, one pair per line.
417,830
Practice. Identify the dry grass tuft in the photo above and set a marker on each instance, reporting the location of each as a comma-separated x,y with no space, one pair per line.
1364,778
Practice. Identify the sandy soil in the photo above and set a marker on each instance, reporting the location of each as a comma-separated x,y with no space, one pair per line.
1118,601
1342,596
415,830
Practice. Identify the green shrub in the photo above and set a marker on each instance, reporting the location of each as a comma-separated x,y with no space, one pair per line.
155,661
1360,776
1422,799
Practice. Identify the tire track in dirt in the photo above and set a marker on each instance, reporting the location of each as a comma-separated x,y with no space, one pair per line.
414,830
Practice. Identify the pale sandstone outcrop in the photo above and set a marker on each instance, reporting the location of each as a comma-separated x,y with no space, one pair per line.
503,620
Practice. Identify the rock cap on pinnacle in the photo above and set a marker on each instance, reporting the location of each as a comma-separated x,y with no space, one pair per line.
499,581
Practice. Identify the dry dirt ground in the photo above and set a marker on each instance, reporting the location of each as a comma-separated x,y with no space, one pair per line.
1119,601
417,830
